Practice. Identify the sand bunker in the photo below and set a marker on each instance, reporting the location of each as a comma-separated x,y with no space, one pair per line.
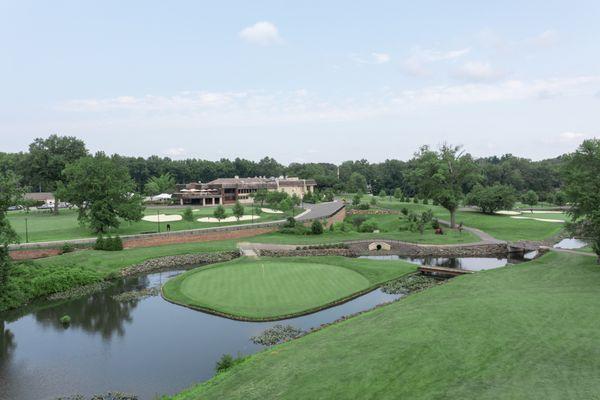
228,219
540,219
271,211
505,212
162,218
543,212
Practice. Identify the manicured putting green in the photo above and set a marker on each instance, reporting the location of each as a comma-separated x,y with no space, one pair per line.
271,288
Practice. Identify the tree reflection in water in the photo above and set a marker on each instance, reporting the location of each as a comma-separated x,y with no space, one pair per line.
96,313
7,344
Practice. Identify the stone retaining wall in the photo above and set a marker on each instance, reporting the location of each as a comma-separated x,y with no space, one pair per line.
173,262
413,250
373,212
308,252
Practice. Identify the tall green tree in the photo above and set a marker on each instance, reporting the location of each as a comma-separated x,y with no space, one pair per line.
357,183
445,176
49,157
582,188
219,213
492,198
260,195
10,194
103,191
164,183
238,210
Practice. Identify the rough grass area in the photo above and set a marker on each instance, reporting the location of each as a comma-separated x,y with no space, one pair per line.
528,331
499,226
389,226
271,288
43,277
45,226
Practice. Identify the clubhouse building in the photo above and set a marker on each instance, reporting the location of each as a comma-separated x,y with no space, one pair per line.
230,190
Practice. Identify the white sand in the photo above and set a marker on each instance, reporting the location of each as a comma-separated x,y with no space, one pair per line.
162,218
505,212
544,212
541,219
271,211
228,219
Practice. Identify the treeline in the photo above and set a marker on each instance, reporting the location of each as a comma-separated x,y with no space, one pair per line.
38,168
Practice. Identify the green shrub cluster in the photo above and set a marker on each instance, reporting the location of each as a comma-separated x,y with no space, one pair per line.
227,361
67,248
28,281
109,243
188,214
316,228
323,246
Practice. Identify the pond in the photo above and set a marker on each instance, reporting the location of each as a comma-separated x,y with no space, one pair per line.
147,346
570,244
468,263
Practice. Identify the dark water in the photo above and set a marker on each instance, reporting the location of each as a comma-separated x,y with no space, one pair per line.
570,244
148,347
468,263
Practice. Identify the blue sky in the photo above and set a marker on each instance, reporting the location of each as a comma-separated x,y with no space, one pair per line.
316,81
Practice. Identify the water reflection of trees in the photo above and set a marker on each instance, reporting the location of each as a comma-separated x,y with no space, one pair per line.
97,313
7,344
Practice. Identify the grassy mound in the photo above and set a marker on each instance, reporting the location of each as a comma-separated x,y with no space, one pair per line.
528,331
271,288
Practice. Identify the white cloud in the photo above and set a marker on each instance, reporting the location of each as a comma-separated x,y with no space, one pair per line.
478,71
373,58
571,136
381,58
176,152
417,63
246,108
263,33
545,39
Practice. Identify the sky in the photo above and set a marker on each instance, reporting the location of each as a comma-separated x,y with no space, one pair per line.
301,81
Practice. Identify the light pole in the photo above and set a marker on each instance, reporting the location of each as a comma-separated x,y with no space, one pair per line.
158,219
26,231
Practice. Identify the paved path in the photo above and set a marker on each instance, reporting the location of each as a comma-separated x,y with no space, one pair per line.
485,237
320,210
579,253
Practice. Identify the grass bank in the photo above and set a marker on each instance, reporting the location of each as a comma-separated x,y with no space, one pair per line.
32,279
277,288
528,331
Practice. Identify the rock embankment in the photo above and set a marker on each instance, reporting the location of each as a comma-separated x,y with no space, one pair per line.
179,261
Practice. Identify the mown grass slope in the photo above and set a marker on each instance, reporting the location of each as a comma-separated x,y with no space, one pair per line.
528,331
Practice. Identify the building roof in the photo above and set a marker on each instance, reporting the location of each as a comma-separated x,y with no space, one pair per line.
39,196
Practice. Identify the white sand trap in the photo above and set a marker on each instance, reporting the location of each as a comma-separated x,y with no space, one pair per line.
506,212
228,219
271,211
541,219
162,218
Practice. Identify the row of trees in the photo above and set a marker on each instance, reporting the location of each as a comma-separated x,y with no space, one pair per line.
41,167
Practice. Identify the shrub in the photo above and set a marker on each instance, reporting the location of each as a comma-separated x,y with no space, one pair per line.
290,222
363,206
382,193
188,214
65,320
299,229
316,228
373,201
426,216
368,226
435,224
530,198
109,243
404,211
398,194
358,220
227,361
416,200
67,248
99,245
425,201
